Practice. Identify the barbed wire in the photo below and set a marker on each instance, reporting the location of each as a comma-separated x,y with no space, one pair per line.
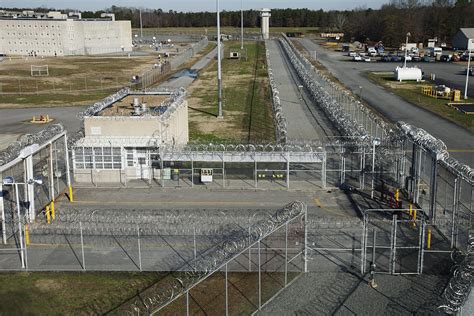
460,284
40,138
157,296
281,124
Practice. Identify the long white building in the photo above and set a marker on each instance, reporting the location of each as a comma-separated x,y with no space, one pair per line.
60,35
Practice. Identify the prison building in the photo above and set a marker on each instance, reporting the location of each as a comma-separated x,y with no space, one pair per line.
57,34
122,140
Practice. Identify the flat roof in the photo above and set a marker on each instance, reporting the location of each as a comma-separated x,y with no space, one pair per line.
124,107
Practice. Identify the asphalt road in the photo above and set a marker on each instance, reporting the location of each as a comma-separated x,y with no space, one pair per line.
460,141
305,120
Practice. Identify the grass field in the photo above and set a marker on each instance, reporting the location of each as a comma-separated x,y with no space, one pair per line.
57,293
247,102
71,80
411,92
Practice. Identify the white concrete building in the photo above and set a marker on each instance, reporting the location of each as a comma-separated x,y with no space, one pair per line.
265,15
123,138
55,34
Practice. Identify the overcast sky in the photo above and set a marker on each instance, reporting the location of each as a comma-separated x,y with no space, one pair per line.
194,5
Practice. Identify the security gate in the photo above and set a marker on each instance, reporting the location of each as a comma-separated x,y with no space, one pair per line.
393,240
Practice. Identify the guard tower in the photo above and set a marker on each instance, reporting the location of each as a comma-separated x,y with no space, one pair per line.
265,15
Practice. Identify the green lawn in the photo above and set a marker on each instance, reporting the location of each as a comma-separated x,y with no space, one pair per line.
248,114
75,293
411,92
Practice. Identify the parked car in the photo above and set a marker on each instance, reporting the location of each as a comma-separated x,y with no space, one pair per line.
465,57
416,58
357,58
372,51
446,58
396,58
367,59
386,59
408,58
471,71
426,59
352,54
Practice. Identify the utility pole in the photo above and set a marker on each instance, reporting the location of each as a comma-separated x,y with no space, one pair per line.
242,24
406,51
470,43
141,24
219,64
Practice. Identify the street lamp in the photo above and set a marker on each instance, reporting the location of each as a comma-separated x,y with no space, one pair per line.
219,64
242,24
375,142
11,182
406,50
470,44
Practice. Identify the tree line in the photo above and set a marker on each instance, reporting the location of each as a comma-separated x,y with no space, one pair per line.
424,19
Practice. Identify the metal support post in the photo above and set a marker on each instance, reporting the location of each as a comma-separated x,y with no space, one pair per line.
223,171
219,62
393,245
256,174
20,228
51,177
139,249
306,239
456,190
288,170
324,171
374,244
30,188
433,190
250,250
82,248
226,292
373,172
194,242
286,254
2,208
187,303
422,246
363,244
26,234
192,173
259,279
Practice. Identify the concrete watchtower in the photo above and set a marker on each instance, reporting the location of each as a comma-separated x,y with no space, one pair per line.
265,15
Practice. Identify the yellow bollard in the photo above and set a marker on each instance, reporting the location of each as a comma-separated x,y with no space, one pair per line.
428,244
47,118
48,215
34,118
27,235
411,210
397,195
414,219
53,211
71,198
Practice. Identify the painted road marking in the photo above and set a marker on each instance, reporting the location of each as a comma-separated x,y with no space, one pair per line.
174,202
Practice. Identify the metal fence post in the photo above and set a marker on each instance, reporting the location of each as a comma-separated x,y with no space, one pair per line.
139,249
286,254
82,248
434,189
226,292
187,303
194,242
259,279
250,250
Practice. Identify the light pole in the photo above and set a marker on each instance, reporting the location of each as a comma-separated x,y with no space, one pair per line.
11,181
242,24
406,51
470,43
219,64
375,142
141,24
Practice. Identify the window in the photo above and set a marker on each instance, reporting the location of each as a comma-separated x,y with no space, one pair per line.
98,158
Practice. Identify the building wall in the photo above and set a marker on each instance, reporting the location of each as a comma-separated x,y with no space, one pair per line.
460,41
64,37
173,131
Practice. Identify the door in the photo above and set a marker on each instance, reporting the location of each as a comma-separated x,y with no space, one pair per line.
142,164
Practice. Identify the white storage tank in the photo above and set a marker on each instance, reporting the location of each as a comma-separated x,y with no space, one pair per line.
408,73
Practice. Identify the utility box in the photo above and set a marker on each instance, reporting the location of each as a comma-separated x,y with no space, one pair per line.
456,95
234,55
207,175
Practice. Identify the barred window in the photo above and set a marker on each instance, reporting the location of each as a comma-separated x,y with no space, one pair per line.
98,158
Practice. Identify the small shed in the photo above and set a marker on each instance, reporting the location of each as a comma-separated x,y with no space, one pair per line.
464,39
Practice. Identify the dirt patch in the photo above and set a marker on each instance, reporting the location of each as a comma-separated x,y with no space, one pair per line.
47,286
